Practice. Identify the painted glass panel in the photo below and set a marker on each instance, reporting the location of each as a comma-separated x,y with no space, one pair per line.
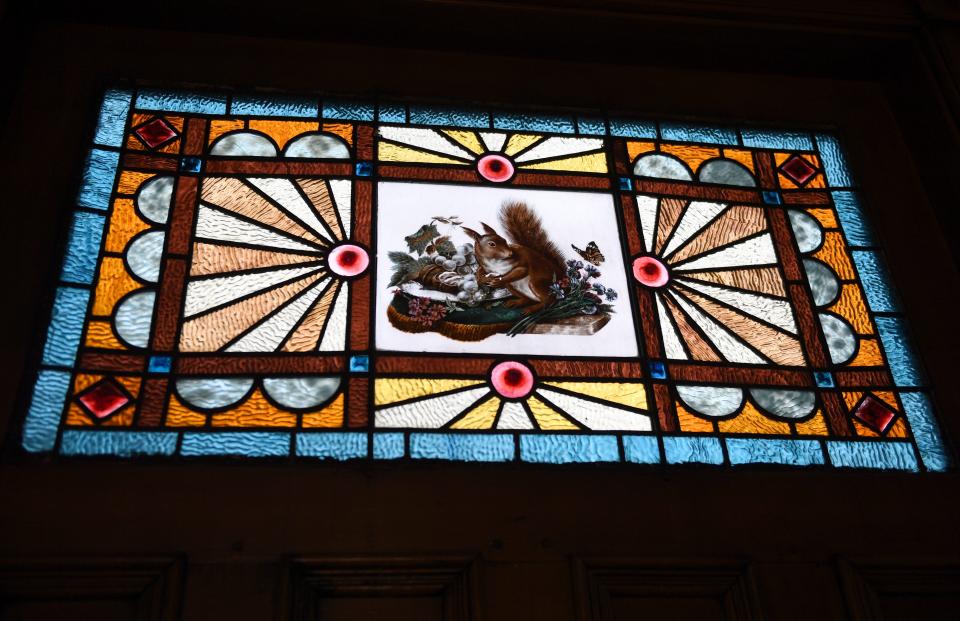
312,278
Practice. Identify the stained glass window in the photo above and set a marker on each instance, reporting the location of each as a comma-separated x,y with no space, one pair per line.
330,279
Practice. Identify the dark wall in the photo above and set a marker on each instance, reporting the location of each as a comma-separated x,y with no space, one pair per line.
883,74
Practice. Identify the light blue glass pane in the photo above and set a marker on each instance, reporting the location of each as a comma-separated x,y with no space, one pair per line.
461,447
152,99
881,455
349,445
66,325
387,445
903,364
275,106
925,432
248,443
98,175
692,449
876,281
347,110
393,113
565,449
697,133
641,449
633,128
83,248
123,443
530,122
113,118
788,141
46,405
854,225
592,127
789,452
834,162
421,115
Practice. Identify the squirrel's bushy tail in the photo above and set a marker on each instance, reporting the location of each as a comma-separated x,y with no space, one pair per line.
526,229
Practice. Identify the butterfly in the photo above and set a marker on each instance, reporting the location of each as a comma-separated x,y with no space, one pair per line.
591,254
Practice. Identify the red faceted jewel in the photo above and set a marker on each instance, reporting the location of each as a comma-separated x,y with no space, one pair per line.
798,169
650,272
512,380
104,399
874,414
496,168
156,132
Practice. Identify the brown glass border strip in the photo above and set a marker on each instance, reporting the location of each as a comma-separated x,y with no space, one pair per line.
109,361
696,191
585,370
864,379
360,313
806,198
271,167
260,364
142,161
358,399
417,365
196,136
168,304
686,372
184,210
153,401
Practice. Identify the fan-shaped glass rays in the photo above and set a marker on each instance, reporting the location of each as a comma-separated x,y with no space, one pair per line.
494,154
724,298
259,274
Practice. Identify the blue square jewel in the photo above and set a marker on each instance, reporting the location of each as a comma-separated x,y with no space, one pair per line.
824,379
658,370
160,364
359,364
364,169
771,198
191,164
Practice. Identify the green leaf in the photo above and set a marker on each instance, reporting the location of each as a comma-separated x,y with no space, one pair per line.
419,241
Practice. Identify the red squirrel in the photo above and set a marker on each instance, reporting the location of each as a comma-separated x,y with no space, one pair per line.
527,267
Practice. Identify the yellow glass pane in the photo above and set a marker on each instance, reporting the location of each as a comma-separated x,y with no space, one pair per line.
691,422
518,142
852,307
815,426
124,224
114,283
100,334
547,417
593,163
631,394
468,140
343,130
392,390
691,155
387,152
636,148
750,420
330,416
283,131
256,411
131,181
219,128
480,417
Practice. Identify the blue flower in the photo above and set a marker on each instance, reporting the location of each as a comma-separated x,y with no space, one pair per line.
611,294
557,291
592,272
571,263
578,265
599,288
